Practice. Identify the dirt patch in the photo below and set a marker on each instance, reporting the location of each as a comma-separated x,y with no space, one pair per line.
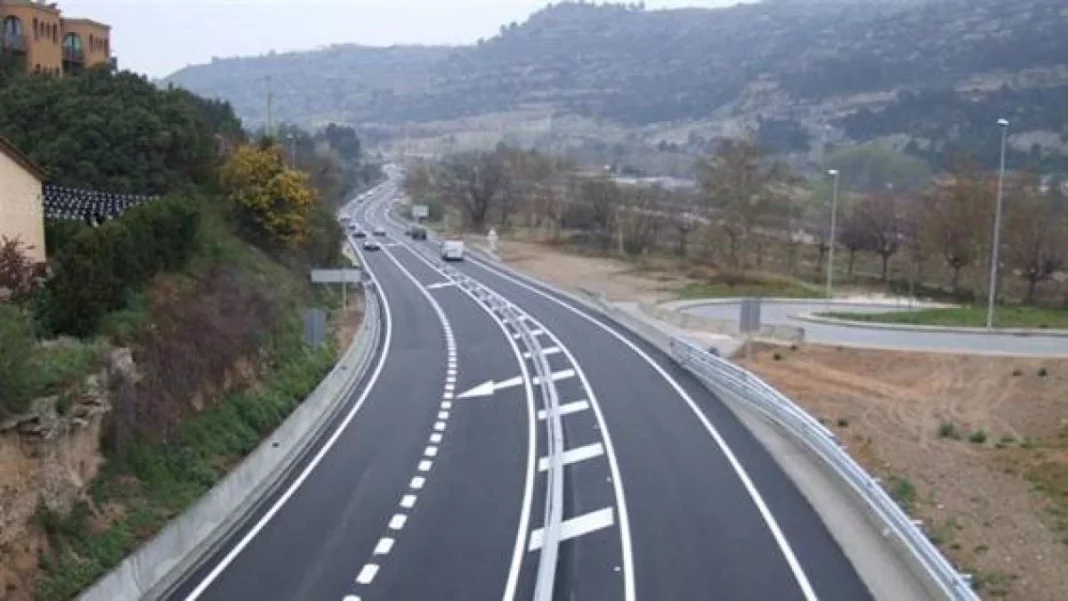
348,322
618,280
973,446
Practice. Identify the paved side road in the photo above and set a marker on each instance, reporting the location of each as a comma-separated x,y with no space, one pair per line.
786,313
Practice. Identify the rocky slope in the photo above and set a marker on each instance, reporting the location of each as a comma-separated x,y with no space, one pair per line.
933,73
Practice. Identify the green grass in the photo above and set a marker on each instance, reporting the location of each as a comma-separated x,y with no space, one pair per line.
1005,317
748,285
903,491
155,482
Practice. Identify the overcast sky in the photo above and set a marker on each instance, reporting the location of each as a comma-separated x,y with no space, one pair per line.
157,37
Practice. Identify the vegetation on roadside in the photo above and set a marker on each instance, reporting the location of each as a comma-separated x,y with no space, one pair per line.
206,287
737,284
1005,317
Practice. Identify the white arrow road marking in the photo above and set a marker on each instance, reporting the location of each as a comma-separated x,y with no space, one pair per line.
574,455
568,408
489,387
577,526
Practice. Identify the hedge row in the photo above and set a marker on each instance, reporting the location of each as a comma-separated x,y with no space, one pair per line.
97,269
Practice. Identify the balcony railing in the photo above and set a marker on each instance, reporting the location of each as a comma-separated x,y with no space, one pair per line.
74,55
13,41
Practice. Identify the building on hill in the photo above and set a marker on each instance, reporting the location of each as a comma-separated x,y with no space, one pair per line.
37,36
21,200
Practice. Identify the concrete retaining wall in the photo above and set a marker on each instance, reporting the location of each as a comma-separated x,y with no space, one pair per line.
190,538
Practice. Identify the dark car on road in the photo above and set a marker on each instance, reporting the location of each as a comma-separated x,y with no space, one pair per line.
418,233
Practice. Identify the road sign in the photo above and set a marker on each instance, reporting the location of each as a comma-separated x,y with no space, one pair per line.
336,276
420,211
749,321
314,327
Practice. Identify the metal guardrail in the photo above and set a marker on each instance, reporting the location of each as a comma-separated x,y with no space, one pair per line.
718,372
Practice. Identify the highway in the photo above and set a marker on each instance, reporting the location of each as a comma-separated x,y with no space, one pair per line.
884,338
432,484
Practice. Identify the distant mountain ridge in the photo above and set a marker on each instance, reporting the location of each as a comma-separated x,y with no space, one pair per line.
803,71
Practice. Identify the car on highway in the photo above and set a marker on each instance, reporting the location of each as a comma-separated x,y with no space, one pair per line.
360,234
371,244
418,233
380,231
452,250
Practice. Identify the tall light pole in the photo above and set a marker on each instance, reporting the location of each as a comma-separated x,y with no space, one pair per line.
1004,124
834,227
292,150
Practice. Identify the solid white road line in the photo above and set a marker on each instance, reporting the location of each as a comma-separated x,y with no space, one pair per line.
384,546
568,408
769,519
577,526
329,444
397,521
408,501
417,482
367,574
574,455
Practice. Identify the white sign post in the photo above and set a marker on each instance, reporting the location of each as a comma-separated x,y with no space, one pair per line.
492,239
749,323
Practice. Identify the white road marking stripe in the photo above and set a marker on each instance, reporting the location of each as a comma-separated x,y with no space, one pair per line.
417,482
397,521
557,376
447,395
574,455
424,466
568,408
450,379
439,426
450,371
367,574
408,501
435,438
384,546
450,387
443,415
431,451
446,404
552,350
351,598
577,526
439,285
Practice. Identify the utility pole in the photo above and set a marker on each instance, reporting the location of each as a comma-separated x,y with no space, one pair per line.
834,227
1004,124
270,108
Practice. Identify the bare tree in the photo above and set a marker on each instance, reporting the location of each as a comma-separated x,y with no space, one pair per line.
741,190
473,182
853,235
959,216
603,198
1035,235
878,216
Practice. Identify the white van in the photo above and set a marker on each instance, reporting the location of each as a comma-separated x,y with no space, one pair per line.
452,250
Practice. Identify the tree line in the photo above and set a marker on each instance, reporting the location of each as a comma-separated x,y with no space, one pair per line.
751,212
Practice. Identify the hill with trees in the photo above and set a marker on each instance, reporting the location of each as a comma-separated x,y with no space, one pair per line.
926,75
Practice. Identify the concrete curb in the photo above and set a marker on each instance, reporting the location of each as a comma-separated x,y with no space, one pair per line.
1021,332
700,302
189,539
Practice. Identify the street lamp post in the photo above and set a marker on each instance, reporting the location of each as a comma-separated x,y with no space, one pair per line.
994,248
834,227
292,150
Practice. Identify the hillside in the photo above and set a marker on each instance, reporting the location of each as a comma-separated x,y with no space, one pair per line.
932,73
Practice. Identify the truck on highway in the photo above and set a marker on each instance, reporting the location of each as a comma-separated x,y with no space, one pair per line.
452,250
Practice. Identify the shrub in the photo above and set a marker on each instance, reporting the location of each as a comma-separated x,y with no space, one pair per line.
18,275
1043,372
16,346
843,422
948,430
99,267
977,437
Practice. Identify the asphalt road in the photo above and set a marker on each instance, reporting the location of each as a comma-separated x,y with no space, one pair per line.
975,343
432,487
710,513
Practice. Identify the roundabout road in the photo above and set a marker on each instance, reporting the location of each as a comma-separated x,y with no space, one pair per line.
895,338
